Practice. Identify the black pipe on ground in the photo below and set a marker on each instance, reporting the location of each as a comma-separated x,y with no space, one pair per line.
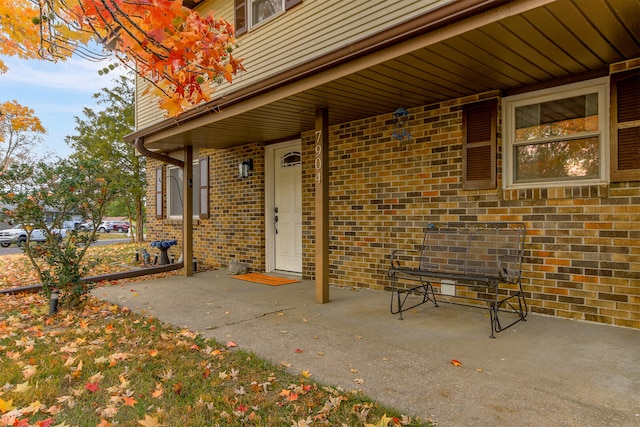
96,279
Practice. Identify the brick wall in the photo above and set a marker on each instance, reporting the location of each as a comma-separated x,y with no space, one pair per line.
583,258
583,243
234,229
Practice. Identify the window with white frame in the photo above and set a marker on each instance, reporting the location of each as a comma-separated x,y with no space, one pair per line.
262,10
557,136
175,199
251,13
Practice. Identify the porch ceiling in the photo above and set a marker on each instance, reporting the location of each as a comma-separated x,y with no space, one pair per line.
555,42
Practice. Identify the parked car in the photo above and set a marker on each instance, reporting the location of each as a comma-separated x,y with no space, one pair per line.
105,227
18,235
86,225
120,226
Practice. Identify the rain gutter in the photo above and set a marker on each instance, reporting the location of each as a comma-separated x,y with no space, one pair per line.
155,155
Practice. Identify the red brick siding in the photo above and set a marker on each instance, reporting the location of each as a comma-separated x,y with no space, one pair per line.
234,229
583,243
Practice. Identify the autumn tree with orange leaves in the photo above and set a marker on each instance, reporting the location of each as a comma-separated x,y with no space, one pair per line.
20,131
182,54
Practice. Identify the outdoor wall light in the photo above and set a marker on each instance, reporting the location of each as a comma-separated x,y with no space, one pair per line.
244,167
401,131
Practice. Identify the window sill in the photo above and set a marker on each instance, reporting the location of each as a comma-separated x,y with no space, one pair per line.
556,184
178,221
556,192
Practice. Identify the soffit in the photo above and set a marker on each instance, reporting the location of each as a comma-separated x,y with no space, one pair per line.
555,42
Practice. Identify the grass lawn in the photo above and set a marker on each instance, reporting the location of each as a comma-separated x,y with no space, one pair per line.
111,236
102,365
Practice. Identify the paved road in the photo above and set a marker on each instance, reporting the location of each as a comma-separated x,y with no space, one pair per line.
15,250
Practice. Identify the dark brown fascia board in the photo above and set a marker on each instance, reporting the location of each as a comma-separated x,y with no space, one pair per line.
430,21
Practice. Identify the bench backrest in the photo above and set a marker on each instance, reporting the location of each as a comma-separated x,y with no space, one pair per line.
490,249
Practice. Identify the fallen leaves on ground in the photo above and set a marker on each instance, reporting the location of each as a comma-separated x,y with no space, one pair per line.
103,365
149,421
16,270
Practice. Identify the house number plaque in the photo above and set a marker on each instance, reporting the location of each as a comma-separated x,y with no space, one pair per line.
318,159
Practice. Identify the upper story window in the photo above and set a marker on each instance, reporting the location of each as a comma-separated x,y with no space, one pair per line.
261,10
557,136
251,13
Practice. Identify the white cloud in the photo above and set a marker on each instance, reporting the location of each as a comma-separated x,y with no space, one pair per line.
57,92
72,75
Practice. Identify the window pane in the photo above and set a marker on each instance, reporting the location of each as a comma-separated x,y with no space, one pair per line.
574,159
291,159
264,9
175,192
562,117
196,189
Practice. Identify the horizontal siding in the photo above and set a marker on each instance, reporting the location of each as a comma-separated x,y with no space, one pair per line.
147,110
309,30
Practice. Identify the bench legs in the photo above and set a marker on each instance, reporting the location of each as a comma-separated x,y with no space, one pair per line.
424,289
514,304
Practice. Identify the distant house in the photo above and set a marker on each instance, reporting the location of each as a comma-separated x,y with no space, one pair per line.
358,123
49,216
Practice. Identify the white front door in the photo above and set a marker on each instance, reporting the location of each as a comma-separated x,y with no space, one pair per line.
286,214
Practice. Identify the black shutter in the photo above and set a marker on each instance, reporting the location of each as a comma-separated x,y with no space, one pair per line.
625,126
479,128
240,13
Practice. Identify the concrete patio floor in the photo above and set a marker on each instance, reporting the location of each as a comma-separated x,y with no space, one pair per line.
542,372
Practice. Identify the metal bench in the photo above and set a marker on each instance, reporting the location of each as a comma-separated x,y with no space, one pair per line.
478,256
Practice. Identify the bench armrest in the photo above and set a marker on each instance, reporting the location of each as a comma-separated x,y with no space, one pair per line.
396,254
509,268
395,261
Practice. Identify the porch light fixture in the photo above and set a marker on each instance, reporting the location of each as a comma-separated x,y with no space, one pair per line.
401,131
244,167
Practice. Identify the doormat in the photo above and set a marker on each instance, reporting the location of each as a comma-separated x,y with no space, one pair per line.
265,279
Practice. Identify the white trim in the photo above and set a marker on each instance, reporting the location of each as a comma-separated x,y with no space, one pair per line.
269,191
509,104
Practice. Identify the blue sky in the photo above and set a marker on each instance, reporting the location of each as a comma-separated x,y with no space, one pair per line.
57,92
